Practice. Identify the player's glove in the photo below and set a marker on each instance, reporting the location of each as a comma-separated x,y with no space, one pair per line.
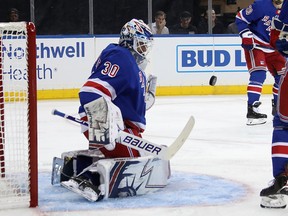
248,40
282,46
279,36
276,27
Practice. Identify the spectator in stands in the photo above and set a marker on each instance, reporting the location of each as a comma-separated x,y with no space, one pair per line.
185,25
13,15
217,25
159,26
232,27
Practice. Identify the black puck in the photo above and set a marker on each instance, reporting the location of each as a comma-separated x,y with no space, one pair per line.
213,80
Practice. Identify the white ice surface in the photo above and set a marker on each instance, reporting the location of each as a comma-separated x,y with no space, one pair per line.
220,145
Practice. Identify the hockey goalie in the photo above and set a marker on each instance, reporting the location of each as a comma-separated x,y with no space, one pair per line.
115,98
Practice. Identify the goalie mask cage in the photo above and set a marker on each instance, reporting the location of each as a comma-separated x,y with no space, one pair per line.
18,116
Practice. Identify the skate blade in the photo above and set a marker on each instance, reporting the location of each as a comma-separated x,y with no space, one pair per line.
87,193
251,122
273,202
90,194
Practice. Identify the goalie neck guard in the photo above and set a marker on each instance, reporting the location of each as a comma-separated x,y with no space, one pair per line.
136,36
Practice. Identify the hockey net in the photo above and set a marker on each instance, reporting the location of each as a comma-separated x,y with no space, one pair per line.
18,116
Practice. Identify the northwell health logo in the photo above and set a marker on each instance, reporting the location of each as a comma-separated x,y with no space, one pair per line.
73,50
14,56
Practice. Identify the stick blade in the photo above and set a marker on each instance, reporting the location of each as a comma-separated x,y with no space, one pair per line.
180,140
53,112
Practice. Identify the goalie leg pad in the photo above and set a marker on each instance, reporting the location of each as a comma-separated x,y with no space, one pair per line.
133,176
57,166
120,177
62,169
91,153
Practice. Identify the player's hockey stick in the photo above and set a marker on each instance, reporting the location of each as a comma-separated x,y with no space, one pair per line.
140,144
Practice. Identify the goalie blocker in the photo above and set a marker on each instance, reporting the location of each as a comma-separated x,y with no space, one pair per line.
93,177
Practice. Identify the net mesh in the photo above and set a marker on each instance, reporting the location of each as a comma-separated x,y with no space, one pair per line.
14,135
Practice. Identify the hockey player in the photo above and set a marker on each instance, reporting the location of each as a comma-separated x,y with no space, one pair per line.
273,196
253,24
115,98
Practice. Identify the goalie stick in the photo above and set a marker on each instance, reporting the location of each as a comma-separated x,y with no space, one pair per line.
143,145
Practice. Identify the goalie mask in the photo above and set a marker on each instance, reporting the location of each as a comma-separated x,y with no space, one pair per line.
136,36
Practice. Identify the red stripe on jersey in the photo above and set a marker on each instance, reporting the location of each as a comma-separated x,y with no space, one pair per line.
275,90
254,88
279,149
130,124
239,15
99,87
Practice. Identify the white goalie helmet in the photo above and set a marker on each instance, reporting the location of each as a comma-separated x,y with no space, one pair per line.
137,36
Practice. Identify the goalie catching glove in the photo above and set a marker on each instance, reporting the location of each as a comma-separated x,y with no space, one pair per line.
105,121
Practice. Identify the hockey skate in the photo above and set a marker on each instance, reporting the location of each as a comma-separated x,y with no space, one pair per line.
84,188
273,196
254,117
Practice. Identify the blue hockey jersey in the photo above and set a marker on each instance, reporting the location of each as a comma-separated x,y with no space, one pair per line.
116,74
284,14
257,18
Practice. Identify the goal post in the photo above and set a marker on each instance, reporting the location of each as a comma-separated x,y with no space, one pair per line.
18,116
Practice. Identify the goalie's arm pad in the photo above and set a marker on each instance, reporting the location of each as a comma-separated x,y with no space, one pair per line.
151,91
